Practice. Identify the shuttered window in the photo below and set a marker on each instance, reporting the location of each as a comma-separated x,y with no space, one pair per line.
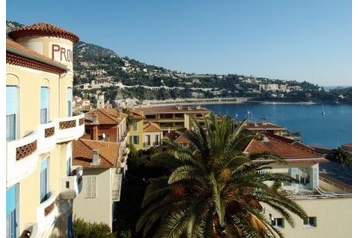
91,186
315,178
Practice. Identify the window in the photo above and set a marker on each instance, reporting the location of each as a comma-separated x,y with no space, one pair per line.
148,139
11,207
44,105
90,183
310,222
44,180
69,102
277,222
135,140
11,111
156,139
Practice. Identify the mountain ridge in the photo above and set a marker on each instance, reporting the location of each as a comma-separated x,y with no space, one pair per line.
97,68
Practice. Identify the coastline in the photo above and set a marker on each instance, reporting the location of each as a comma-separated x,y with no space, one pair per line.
211,101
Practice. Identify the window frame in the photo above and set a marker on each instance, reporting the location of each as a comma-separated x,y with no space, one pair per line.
311,222
278,222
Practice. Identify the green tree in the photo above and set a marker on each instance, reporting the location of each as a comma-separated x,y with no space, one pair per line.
215,191
83,229
341,156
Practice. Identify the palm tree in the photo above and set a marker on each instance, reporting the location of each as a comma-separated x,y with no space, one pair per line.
129,118
215,191
340,155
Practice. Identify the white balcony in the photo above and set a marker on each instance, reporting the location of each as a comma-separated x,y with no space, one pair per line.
46,137
47,213
72,185
69,128
21,158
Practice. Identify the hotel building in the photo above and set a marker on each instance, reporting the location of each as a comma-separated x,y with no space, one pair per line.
41,182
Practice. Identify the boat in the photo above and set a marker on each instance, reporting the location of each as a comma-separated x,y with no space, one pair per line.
323,111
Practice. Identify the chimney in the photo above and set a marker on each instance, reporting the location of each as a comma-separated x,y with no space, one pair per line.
118,113
95,157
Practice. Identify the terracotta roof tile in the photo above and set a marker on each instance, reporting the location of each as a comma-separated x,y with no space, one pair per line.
24,52
106,116
137,115
182,140
290,152
43,29
151,127
83,151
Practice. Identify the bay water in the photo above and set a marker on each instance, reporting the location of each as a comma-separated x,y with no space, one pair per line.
330,129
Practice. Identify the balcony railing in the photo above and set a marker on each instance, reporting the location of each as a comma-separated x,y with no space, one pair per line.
22,154
47,212
22,158
46,137
69,128
72,185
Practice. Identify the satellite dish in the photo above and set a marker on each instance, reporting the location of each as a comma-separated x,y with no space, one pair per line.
103,136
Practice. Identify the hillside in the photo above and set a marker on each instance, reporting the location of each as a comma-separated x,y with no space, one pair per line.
100,69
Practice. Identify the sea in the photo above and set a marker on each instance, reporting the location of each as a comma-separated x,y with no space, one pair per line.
320,125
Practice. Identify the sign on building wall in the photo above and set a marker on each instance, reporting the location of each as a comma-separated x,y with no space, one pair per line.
61,53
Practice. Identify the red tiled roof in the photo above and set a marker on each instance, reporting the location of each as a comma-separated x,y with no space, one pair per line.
137,115
151,127
347,147
287,151
83,153
17,54
43,29
107,116
182,140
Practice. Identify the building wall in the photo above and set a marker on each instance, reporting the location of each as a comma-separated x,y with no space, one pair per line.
334,219
29,82
98,209
138,132
152,136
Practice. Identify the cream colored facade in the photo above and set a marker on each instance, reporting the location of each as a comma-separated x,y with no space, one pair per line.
328,205
40,181
101,189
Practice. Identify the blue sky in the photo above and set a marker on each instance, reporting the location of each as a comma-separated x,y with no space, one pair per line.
299,40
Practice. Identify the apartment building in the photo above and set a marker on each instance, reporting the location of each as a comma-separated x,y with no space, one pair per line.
103,170
327,201
41,182
102,152
172,117
152,135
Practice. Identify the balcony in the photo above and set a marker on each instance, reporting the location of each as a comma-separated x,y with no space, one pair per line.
46,137
22,154
69,128
72,185
22,158
46,212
